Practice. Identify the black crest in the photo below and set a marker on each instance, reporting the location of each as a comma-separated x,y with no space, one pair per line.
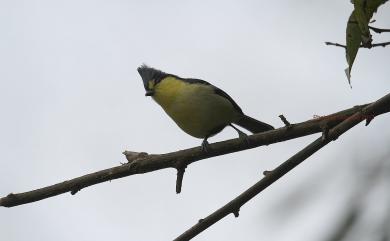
147,73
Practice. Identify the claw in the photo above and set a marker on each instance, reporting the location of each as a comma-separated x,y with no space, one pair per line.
205,145
243,136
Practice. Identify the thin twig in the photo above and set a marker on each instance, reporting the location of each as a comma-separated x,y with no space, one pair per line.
284,120
379,30
384,44
376,30
148,163
335,44
291,163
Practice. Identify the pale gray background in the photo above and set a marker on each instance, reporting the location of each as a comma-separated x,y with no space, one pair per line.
71,101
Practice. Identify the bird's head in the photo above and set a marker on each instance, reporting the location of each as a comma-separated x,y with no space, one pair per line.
151,77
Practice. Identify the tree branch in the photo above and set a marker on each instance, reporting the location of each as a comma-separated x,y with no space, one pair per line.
142,162
284,120
336,44
379,30
384,44
234,205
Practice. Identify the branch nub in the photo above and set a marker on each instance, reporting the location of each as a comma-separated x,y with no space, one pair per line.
179,178
285,121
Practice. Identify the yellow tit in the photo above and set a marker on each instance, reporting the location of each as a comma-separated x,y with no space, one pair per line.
199,108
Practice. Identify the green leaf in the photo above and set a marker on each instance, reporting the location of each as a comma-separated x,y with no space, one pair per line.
362,20
364,10
354,39
372,6
358,31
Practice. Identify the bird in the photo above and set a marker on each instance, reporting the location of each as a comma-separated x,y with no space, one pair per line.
199,108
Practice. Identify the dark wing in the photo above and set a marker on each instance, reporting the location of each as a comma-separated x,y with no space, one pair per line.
194,81
225,95
217,90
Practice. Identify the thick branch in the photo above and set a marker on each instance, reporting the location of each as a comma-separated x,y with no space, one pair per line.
235,205
143,163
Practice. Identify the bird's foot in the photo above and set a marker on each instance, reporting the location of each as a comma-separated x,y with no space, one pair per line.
205,145
244,137
241,135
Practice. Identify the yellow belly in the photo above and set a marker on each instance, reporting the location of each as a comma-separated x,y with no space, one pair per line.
195,108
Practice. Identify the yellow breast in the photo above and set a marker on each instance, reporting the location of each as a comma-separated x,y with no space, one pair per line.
194,107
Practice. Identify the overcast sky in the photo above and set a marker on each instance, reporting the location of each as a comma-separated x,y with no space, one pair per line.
71,101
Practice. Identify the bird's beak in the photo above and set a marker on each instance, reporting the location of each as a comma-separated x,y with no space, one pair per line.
149,93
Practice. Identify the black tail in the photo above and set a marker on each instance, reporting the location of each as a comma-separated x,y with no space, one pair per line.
253,125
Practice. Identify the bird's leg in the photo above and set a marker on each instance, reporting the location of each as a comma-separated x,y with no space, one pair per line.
205,145
241,134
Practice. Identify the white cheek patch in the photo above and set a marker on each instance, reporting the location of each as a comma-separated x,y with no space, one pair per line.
151,84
